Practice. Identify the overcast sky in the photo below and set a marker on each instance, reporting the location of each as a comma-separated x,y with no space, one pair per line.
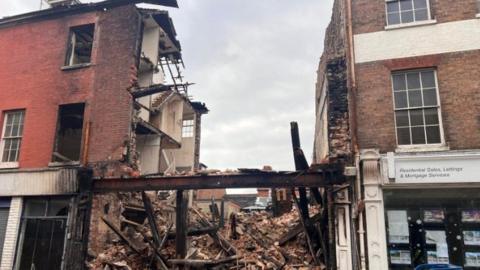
254,63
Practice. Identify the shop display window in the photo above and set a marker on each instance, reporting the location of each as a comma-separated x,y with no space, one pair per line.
433,227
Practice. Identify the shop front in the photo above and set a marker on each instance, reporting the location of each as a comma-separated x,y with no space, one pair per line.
428,205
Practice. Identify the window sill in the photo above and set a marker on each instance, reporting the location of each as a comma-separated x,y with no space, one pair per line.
78,66
64,164
408,25
9,165
421,148
478,15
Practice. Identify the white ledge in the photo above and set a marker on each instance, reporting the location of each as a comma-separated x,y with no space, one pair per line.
9,165
412,24
421,148
478,15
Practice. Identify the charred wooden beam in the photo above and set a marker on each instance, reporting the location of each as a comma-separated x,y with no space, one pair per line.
300,164
150,90
181,224
328,176
118,232
151,219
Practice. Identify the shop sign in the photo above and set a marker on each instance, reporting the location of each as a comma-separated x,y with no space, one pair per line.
437,169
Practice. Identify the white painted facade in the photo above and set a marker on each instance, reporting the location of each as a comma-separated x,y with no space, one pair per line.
418,40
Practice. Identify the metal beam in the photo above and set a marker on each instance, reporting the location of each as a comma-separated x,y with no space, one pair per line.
321,178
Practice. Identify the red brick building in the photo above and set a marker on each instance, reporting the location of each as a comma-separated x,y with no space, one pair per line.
83,87
398,98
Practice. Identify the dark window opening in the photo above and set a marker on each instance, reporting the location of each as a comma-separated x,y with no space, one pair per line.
69,133
42,237
80,45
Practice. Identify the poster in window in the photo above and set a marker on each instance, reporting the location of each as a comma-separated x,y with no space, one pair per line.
433,216
398,227
471,238
472,259
400,256
439,239
433,257
472,216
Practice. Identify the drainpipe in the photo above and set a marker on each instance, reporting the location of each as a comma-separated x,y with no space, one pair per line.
353,125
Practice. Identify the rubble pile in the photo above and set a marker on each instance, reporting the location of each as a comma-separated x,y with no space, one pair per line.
254,240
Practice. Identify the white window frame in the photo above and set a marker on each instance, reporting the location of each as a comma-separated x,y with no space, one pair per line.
419,147
11,164
429,20
186,124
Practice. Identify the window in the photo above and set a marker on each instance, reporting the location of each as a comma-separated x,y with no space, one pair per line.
68,139
42,235
478,6
80,45
12,136
416,107
407,11
187,130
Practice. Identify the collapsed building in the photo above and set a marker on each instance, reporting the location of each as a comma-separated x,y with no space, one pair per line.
88,90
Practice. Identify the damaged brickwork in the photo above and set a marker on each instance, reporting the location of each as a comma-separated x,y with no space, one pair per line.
333,132
338,118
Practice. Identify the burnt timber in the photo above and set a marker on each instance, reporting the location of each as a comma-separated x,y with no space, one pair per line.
330,175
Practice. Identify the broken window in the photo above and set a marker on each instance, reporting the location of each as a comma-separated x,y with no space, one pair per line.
12,136
42,235
68,140
188,128
417,108
80,45
407,11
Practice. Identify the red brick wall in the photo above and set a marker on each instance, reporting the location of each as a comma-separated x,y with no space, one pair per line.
31,56
112,104
459,97
30,78
369,15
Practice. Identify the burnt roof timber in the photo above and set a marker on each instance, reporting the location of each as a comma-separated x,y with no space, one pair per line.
150,90
220,181
74,9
